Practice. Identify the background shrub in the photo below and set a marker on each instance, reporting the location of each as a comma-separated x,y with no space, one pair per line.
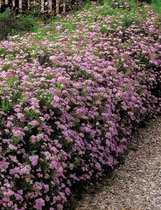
11,24
7,23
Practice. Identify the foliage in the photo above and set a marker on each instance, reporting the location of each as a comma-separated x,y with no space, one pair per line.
70,96
11,24
157,5
7,21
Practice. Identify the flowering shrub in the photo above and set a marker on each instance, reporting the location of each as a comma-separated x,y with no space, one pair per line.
68,105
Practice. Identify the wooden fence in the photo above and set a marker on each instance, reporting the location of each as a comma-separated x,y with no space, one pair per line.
45,5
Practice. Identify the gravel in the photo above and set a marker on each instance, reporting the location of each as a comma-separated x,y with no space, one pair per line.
136,184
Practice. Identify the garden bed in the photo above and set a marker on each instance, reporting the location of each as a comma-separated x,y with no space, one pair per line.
70,96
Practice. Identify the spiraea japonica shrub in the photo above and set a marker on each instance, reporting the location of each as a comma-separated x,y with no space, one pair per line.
69,99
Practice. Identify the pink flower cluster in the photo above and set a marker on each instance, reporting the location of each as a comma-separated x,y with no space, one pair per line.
68,107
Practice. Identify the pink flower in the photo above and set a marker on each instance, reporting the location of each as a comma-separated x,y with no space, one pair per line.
21,117
34,160
58,27
59,207
152,30
18,133
67,191
34,123
25,170
18,197
3,164
53,164
110,161
56,99
39,203
14,170
98,166
12,147
53,57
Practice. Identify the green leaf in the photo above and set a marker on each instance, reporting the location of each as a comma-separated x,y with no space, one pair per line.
15,139
10,81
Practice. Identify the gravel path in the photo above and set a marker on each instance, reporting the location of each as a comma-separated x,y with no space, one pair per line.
135,184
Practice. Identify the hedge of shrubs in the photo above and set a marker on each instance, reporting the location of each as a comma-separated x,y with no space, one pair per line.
68,105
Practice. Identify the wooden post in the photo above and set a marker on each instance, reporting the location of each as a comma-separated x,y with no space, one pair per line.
42,5
64,6
28,4
57,7
20,4
13,3
49,5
